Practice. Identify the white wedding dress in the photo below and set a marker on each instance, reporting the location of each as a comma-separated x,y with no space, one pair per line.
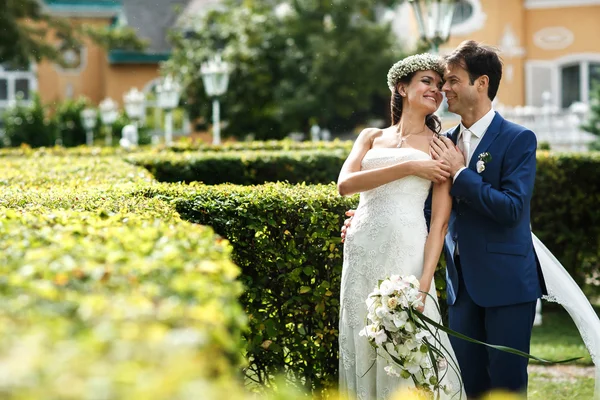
387,236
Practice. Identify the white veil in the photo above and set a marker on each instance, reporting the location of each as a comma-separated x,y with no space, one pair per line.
563,290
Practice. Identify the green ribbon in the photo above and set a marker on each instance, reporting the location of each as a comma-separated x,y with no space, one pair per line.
493,346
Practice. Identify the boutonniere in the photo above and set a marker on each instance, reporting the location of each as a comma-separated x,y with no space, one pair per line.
483,158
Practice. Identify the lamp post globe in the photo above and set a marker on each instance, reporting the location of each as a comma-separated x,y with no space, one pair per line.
434,19
215,77
109,111
89,117
168,93
134,102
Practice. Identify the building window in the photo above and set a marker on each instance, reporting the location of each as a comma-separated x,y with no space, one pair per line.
462,12
468,17
74,58
3,89
594,76
15,83
570,84
577,82
22,88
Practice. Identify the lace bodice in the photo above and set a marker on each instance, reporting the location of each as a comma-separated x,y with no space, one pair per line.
400,201
411,188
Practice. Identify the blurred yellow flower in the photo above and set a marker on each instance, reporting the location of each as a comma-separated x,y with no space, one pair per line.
410,394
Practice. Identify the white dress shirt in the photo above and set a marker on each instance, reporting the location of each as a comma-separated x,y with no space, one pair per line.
478,129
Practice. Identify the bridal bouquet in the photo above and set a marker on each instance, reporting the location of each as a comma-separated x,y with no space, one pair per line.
411,339
396,327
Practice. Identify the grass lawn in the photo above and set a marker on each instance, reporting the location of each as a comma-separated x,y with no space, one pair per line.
558,338
559,384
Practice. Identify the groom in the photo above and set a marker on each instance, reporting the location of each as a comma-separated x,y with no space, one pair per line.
493,279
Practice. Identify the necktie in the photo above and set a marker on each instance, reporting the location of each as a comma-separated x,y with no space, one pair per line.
466,137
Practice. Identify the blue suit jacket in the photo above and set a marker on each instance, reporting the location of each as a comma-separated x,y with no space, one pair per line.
490,220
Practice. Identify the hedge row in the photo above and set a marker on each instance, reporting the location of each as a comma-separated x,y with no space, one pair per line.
286,240
268,145
564,205
244,168
186,146
565,211
104,213
106,294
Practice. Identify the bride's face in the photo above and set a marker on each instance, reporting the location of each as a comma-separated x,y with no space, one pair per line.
424,91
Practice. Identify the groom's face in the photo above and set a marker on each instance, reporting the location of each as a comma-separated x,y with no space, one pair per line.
460,92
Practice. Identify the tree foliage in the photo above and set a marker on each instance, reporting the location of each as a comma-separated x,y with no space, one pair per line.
293,64
29,33
592,125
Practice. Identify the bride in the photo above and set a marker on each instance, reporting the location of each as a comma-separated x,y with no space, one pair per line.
393,171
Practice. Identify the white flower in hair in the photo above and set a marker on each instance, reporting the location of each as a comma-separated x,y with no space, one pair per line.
408,65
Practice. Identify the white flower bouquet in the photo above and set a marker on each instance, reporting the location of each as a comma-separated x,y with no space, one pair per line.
396,328
411,340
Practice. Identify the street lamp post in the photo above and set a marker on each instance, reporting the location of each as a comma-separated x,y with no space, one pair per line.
89,117
215,76
434,18
168,92
134,107
108,114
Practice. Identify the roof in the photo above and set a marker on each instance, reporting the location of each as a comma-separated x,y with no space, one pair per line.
92,8
196,8
151,20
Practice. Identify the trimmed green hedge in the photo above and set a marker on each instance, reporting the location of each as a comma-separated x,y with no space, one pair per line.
179,147
105,293
95,299
244,168
286,240
65,221
268,145
565,211
564,206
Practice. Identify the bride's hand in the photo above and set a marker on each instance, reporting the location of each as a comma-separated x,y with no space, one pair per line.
424,288
422,297
436,171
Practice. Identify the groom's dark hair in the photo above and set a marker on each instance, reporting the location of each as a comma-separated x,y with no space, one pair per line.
478,60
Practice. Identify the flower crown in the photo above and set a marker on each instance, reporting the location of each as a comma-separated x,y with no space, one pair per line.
408,65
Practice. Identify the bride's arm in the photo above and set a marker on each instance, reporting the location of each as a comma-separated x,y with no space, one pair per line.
352,180
441,206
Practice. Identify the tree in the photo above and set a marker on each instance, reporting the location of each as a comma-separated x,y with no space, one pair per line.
29,33
306,60
593,123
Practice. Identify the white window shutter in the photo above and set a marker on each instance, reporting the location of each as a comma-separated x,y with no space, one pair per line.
540,77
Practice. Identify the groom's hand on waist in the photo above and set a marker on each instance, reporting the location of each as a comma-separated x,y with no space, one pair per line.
442,148
347,223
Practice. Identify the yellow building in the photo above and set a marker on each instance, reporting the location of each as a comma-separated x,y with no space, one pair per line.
547,45
92,71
